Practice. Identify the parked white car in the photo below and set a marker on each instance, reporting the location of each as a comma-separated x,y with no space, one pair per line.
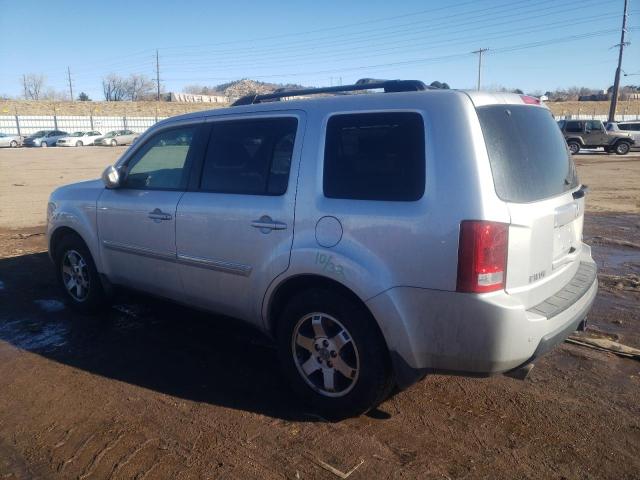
12,141
79,139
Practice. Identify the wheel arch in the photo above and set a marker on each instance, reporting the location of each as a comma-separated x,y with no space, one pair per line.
59,234
575,139
290,286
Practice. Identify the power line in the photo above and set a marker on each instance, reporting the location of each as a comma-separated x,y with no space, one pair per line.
378,52
430,59
433,25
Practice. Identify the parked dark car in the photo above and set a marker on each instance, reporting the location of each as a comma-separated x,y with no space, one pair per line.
44,138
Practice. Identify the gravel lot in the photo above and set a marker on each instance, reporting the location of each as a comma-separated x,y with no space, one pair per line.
153,390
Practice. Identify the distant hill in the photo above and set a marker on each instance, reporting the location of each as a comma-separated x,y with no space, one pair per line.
239,88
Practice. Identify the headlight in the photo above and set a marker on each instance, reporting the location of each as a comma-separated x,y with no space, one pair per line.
51,207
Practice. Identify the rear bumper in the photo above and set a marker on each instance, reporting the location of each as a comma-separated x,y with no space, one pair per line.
438,331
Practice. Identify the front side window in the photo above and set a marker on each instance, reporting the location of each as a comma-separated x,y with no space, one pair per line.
160,163
375,156
250,157
594,125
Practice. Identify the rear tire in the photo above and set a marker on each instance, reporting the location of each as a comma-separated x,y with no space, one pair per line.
333,353
574,147
622,148
77,275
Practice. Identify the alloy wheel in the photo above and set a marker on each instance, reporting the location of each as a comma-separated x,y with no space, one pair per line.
75,275
325,354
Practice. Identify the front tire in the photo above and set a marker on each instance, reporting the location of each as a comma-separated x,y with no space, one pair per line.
43,145
78,276
78,143
622,148
114,143
13,144
574,147
333,353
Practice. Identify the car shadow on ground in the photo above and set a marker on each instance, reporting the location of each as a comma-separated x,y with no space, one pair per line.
144,341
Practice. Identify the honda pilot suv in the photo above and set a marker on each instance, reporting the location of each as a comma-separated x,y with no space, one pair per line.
376,238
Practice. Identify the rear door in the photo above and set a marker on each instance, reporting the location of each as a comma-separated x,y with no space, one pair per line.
234,229
535,175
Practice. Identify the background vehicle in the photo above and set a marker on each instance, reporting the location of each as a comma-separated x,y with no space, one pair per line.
592,134
44,138
79,139
118,137
631,128
369,261
10,140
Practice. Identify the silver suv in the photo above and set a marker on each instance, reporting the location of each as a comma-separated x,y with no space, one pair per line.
375,237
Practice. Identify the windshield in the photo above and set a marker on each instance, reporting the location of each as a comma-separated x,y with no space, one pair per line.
77,134
527,152
111,134
40,133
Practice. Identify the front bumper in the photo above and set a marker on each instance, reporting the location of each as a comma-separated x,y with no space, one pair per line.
439,331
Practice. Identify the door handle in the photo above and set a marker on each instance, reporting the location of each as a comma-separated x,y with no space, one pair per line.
266,224
158,215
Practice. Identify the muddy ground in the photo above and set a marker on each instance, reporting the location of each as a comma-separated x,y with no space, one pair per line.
153,390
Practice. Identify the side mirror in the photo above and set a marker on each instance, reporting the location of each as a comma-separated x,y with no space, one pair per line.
111,177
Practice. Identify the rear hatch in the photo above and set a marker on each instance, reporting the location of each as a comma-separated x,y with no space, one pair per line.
535,176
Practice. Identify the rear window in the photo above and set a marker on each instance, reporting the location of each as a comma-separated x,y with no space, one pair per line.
528,154
375,156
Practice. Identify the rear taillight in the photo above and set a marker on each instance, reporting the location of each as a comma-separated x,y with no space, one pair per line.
482,256
529,100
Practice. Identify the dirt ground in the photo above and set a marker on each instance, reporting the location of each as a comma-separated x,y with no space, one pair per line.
153,390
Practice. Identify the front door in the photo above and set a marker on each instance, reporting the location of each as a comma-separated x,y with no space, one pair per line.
136,222
595,133
235,231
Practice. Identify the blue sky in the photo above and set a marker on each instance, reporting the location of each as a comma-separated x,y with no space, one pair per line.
534,44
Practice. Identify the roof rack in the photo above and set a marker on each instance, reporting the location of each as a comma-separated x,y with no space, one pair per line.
362,84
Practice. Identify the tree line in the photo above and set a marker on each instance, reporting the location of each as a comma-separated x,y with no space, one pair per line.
115,88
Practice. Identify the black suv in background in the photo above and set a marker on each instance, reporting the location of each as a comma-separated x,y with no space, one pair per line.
592,134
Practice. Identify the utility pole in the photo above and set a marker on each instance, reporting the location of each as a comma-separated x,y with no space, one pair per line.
24,86
616,82
70,85
480,51
157,75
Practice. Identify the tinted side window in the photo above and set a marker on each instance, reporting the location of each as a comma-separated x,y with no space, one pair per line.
594,125
375,156
160,162
574,127
251,157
